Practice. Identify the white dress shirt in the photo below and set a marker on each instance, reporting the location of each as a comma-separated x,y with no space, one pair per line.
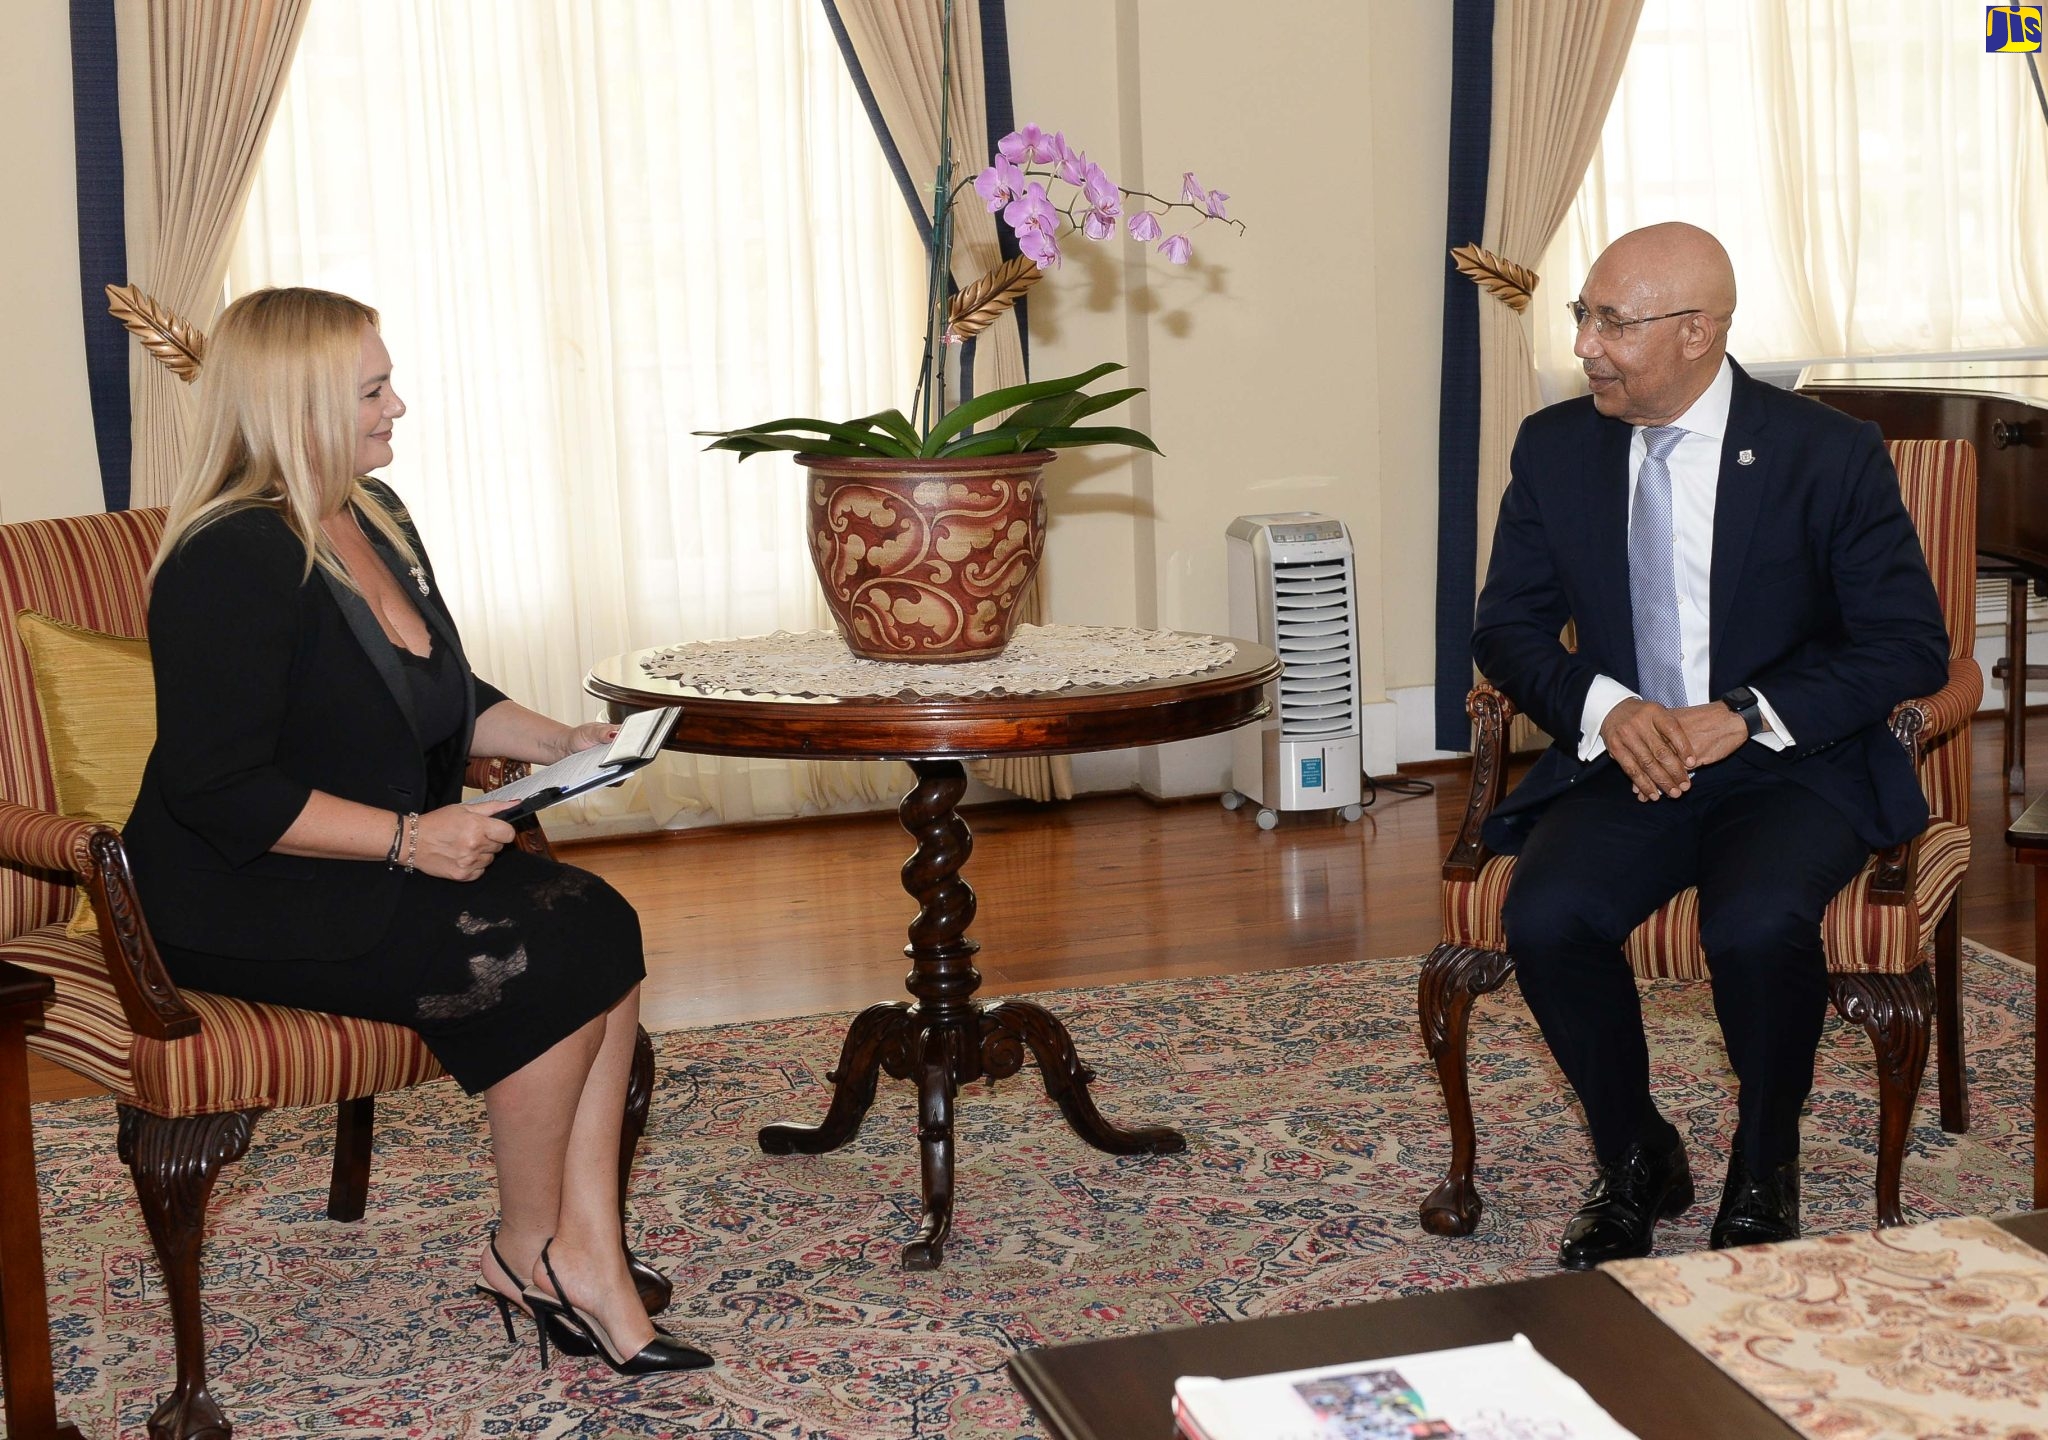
1695,477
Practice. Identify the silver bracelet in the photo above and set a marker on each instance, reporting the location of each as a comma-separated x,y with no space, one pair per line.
412,839
397,839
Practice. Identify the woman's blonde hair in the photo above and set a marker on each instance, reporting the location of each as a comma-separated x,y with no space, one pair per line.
277,423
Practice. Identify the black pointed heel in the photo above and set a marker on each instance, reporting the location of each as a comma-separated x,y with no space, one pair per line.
663,1353
566,1340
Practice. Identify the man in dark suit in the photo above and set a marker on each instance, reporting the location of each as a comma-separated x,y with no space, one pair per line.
1750,601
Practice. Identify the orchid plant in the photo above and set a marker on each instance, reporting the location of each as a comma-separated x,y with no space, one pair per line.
1046,191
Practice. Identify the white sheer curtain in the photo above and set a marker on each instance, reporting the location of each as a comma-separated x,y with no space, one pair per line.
591,229
1880,181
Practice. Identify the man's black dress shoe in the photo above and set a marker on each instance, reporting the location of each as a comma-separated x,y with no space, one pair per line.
1757,1209
1636,1190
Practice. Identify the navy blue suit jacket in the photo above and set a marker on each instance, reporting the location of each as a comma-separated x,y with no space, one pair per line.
1819,598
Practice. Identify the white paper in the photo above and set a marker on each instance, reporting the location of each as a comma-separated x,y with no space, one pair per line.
638,741
1504,1391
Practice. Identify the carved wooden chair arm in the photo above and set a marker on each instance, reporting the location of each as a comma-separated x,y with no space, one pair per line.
149,999
1490,711
1917,724
488,772
1920,722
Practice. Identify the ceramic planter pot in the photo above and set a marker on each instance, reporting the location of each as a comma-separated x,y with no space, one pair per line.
926,560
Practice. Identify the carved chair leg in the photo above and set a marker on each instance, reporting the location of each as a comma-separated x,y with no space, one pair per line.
349,1190
174,1163
1951,1070
1897,1012
656,1289
1452,978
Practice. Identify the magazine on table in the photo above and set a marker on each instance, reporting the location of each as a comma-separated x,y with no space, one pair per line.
639,740
1504,1391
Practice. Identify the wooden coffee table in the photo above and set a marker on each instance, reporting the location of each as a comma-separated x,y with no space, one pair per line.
943,1037
1642,1371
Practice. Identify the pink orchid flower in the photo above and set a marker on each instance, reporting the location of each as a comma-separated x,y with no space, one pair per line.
1040,246
1215,204
1177,248
1191,189
1001,183
1031,211
1026,143
1073,165
1144,226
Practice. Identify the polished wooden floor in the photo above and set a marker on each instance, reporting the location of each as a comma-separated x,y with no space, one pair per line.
789,919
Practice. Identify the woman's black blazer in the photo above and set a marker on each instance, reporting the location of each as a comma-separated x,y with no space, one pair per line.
271,684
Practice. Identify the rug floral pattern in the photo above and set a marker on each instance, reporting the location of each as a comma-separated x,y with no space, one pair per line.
1314,1126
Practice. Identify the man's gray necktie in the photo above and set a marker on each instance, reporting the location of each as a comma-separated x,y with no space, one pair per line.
1653,575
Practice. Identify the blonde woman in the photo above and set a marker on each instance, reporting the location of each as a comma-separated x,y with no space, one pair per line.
299,837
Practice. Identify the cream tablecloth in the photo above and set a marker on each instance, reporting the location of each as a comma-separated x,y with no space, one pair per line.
1935,1330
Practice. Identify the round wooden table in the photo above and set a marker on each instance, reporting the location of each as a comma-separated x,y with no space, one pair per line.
943,1037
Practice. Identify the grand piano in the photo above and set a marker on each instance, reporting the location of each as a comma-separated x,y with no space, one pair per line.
2001,407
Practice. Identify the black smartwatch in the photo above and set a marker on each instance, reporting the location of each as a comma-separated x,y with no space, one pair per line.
1742,700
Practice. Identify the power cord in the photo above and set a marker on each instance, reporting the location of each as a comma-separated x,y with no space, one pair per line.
1403,785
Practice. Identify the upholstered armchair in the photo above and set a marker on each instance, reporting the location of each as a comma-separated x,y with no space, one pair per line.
190,1072
1876,932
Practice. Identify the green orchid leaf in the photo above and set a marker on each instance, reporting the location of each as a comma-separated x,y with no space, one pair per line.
748,443
1077,435
896,423
861,436
1053,410
1107,400
981,407
1001,441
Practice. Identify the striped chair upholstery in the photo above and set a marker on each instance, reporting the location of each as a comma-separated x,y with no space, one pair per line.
190,1072
1878,933
89,571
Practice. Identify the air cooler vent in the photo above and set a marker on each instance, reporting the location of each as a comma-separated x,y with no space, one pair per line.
1292,588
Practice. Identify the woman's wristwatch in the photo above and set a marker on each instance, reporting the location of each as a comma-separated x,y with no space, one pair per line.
1742,700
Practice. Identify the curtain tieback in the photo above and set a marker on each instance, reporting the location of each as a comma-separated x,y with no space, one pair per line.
179,346
1504,280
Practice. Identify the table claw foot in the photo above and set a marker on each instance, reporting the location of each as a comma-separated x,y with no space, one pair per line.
1066,1079
936,1083
853,1081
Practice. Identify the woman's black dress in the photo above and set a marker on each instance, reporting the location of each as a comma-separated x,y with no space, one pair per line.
491,972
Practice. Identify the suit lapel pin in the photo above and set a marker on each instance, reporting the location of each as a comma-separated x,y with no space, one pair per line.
1747,457
419,575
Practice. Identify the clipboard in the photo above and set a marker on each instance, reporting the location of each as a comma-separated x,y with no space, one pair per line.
639,740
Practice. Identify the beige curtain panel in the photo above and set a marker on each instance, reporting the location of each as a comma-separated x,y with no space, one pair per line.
200,81
897,44
1555,67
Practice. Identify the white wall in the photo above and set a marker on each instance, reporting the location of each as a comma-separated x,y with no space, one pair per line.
50,466
1291,368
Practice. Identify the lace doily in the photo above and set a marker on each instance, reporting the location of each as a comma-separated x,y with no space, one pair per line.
1041,658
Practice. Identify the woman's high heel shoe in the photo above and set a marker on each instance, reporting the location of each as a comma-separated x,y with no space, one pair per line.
664,1352
568,1341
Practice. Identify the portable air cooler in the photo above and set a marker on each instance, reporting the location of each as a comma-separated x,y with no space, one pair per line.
1292,589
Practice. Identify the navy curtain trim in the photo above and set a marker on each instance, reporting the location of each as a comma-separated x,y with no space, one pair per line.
102,235
1457,529
1002,119
913,194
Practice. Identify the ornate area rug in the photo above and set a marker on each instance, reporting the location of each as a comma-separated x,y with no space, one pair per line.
1314,1128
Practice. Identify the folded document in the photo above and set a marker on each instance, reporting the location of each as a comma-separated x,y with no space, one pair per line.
639,740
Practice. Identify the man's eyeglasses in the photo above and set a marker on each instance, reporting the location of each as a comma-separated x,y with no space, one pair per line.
1609,328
